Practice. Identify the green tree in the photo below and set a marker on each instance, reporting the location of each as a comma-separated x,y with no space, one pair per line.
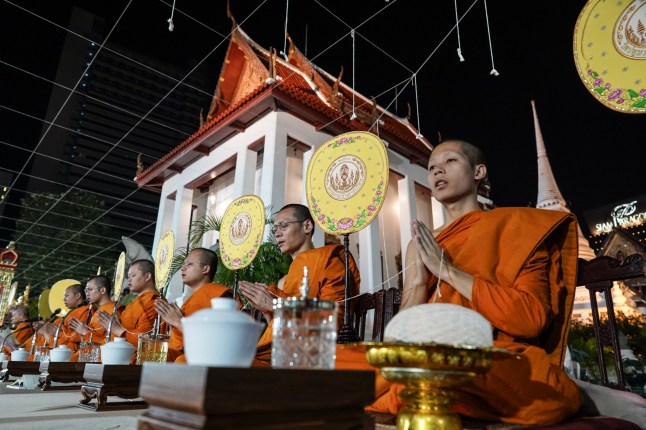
66,239
583,346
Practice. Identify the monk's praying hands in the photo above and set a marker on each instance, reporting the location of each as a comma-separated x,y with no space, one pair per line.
79,326
169,312
258,295
104,318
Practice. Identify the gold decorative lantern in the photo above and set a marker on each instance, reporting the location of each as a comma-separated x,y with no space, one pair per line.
8,262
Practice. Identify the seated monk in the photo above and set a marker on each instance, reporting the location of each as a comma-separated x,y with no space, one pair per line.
514,266
293,229
139,316
198,270
23,331
97,291
73,300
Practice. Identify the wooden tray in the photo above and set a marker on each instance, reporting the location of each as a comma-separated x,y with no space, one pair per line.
103,380
64,372
19,368
197,397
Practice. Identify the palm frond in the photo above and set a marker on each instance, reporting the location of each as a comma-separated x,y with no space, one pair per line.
199,227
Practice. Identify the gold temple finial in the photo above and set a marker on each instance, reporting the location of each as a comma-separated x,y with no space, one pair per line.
98,271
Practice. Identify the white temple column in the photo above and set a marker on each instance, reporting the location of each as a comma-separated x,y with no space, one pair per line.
274,168
245,174
164,218
180,226
407,211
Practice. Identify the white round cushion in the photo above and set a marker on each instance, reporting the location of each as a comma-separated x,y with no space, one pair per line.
442,323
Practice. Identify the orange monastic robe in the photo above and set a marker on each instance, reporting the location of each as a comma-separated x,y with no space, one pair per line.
524,263
139,316
97,331
65,334
200,299
21,336
326,275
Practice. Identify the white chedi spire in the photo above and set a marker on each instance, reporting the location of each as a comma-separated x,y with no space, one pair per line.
549,195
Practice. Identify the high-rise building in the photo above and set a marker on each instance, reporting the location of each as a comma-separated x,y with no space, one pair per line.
126,110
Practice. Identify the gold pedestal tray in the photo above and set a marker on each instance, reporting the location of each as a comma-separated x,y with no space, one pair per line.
103,380
63,372
19,368
430,373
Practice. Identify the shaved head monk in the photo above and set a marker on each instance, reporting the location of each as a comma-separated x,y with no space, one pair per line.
514,266
97,290
293,228
139,316
74,300
198,270
23,329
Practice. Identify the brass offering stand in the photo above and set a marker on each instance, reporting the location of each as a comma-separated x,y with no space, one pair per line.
431,374
63,372
103,380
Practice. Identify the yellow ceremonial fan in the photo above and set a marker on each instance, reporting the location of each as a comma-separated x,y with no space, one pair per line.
241,231
43,303
610,53
56,295
346,183
164,258
119,274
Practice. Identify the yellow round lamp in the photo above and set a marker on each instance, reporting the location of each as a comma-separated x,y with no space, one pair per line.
241,231
610,53
346,184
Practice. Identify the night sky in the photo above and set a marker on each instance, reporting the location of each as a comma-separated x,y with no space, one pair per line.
596,153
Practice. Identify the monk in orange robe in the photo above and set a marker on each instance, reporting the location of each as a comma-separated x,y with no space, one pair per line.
46,333
97,291
517,268
198,270
139,316
293,229
23,331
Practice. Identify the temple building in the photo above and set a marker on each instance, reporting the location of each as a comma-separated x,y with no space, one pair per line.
624,298
268,117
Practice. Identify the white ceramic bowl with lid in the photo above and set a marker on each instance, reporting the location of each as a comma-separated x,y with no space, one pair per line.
62,353
19,354
119,351
221,336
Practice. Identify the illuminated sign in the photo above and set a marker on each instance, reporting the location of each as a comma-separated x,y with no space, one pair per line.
621,214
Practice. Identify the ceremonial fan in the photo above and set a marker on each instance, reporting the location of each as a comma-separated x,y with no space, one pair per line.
119,274
241,231
346,184
163,259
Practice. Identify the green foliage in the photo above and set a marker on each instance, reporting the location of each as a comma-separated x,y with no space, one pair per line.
53,246
268,267
583,346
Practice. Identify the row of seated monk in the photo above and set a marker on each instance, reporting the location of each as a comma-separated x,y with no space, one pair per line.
514,266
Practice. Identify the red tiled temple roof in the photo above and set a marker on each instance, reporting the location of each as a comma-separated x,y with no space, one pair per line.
254,81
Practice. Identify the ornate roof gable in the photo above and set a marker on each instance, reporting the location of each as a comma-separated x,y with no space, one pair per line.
242,72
